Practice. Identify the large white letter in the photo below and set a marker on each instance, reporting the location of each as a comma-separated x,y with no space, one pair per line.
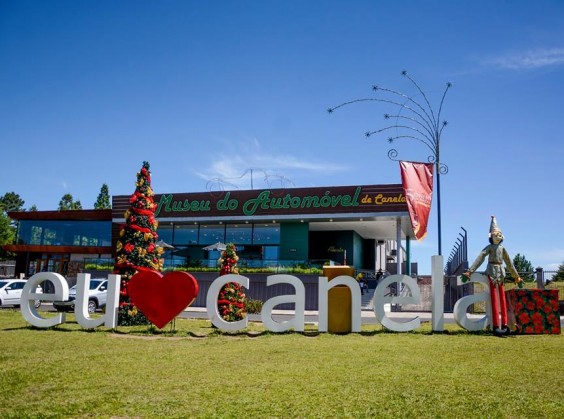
461,306
29,312
299,304
211,302
380,300
81,304
438,293
324,287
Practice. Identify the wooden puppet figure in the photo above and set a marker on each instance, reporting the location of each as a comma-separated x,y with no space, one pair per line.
497,256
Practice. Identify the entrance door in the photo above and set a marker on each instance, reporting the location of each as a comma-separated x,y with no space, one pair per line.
53,263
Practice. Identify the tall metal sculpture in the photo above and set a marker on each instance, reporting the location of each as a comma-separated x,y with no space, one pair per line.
219,183
419,123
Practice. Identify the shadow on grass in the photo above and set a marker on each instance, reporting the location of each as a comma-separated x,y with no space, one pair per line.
153,332
200,329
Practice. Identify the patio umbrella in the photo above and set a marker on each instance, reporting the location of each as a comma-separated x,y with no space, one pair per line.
216,246
182,253
164,245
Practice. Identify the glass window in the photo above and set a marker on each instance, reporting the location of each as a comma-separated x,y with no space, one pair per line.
212,233
17,285
65,233
165,232
266,233
271,253
35,236
185,234
238,233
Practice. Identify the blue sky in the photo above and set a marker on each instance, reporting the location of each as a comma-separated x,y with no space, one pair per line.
206,90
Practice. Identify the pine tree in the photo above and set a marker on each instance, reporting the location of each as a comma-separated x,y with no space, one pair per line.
11,201
231,302
7,235
560,274
136,249
103,201
523,267
68,203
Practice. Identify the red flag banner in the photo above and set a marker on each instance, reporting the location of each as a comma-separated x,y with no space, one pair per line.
417,180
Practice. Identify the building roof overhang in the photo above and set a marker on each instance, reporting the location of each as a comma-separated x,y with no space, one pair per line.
32,248
81,215
373,211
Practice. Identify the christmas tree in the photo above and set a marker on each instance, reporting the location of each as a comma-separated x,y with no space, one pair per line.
136,249
231,302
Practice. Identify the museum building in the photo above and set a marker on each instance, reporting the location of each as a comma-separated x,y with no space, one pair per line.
361,226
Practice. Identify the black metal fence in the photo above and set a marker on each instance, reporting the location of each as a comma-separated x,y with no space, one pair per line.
453,292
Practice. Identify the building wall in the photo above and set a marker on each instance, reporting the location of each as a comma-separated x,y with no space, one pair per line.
357,254
369,254
330,245
294,241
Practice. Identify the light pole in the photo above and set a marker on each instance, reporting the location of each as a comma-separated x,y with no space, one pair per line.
418,123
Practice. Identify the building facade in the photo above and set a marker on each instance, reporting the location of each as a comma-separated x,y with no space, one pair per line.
362,226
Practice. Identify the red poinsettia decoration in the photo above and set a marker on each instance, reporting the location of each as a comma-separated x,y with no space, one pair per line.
536,311
231,299
136,249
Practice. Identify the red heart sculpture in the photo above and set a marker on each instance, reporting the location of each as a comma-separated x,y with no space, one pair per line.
161,298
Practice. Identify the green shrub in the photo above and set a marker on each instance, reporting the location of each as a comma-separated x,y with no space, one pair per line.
99,267
253,306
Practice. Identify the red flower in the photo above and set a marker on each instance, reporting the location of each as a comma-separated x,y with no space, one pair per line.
524,318
537,319
128,247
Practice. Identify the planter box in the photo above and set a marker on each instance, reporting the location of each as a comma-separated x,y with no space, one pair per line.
533,311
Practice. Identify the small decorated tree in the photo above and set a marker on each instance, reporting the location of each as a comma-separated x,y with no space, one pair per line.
231,302
136,249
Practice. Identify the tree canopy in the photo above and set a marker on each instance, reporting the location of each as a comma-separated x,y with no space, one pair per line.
103,201
560,274
524,267
11,201
7,234
68,203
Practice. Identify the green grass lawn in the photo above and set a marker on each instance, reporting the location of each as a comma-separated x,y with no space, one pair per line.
197,371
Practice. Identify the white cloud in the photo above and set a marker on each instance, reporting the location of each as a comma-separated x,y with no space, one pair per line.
233,168
548,259
525,60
